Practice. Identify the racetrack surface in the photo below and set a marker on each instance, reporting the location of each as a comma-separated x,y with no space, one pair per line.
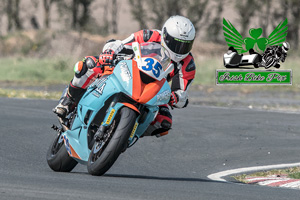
204,140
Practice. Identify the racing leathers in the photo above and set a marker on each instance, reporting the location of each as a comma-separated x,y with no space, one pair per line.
87,70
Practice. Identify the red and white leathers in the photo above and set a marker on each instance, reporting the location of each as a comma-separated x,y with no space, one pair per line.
181,77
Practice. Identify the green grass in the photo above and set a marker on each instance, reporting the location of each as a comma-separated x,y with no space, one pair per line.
206,70
36,71
293,172
29,94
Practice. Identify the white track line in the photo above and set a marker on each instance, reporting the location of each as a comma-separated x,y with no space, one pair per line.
218,176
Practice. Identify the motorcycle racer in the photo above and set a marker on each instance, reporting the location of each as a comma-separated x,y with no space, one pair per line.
275,52
176,37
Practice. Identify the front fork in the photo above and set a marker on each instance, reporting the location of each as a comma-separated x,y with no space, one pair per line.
111,113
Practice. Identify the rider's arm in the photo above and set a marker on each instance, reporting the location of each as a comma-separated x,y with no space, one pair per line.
120,46
182,77
125,46
114,45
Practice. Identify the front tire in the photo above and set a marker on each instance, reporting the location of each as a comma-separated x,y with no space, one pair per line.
104,154
58,158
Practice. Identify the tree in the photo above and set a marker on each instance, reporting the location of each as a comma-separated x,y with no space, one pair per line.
196,12
9,15
246,10
75,5
105,26
289,9
16,16
215,27
12,12
264,10
80,13
84,18
160,11
114,16
139,13
47,7
293,33
33,19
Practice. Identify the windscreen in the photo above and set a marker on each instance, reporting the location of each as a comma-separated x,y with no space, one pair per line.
155,50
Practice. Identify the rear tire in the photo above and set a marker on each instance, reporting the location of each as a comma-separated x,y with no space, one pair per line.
58,158
103,155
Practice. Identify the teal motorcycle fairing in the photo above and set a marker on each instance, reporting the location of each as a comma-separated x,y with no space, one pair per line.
101,103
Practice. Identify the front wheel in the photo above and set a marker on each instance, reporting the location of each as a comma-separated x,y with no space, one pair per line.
105,152
58,158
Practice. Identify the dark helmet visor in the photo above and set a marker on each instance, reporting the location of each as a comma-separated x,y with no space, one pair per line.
177,45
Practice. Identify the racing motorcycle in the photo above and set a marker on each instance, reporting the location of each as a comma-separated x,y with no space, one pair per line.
114,112
271,59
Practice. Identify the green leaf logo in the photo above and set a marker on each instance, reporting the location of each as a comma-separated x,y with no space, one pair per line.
234,39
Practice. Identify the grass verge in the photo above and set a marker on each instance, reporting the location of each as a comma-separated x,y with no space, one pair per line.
60,70
24,71
293,172
29,94
33,71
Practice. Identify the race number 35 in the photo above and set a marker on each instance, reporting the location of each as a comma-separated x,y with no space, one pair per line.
152,65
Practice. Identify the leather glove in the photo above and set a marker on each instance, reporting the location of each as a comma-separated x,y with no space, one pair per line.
173,99
106,58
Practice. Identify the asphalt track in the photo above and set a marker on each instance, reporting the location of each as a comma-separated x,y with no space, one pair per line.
203,141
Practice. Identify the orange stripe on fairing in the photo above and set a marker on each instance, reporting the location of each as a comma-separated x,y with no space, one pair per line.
137,84
74,154
142,92
150,90
131,106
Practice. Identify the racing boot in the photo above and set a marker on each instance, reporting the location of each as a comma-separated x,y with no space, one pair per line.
68,101
161,124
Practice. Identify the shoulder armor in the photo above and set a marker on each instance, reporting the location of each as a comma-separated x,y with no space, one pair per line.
147,34
90,62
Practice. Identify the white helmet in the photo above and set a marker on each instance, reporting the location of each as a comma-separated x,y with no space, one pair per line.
178,34
285,46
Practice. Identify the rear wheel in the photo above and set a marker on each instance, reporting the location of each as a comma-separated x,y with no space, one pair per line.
58,158
105,152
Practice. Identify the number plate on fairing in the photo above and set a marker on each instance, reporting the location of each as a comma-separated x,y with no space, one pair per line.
152,67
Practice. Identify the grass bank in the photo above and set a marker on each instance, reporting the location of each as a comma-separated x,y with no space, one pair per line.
293,172
33,71
26,71
48,71
12,93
